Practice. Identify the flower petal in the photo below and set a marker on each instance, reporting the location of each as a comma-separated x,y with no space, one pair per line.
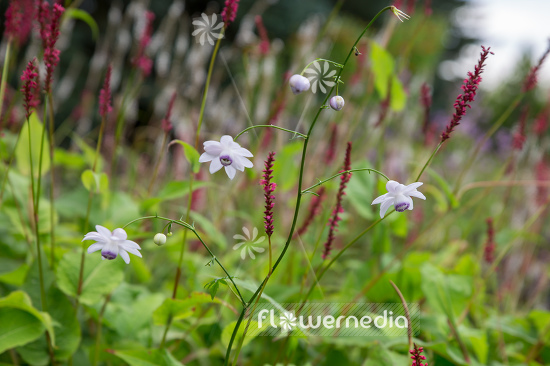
103,231
93,235
125,256
243,152
384,207
237,162
128,244
227,141
120,234
230,171
95,247
206,157
215,165
416,194
411,204
392,186
213,147
245,162
380,199
132,250
412,186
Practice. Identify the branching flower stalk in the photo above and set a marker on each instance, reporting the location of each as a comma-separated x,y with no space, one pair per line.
299,194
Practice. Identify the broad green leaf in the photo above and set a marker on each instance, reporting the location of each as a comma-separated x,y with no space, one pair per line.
85,17
15,277
180,309
22,149
250,335
178,189
445,187
378,355
20,322
398,95
100,276
89,153
69,159
382,68
191,155
357,191
98,182
144,357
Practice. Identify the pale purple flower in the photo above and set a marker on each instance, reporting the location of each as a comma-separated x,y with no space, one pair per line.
336,103
112,244
398,196
226,154
299,84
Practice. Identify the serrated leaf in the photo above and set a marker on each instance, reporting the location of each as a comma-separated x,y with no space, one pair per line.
100,276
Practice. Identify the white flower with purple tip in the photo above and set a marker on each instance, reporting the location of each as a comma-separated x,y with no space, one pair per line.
226,154
112,244
398,196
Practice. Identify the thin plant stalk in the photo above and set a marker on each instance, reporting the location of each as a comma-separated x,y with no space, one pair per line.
299,194
5,74
52,183
157,165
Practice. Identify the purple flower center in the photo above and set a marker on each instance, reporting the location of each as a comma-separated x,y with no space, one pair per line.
226,160
108,255
401,206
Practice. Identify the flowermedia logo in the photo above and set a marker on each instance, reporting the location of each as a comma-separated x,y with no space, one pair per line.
321,76
249,243
322,319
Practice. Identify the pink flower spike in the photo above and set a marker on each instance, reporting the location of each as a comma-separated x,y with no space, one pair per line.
142,61
51,54
105,94
229,12
470,88
531,79
333,222
30,87
18,23
417,357
264,43
269,188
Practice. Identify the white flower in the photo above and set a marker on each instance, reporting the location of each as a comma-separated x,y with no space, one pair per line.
112,244
298,84
336,103
399,196
287,321
226,153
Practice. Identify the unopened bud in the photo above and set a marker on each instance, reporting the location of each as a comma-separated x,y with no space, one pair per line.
159,239
336,103
298,84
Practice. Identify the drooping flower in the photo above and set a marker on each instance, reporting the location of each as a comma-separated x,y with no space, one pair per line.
333,222
298,83
226,154
105,94
470,88
159,239
417,357
398,196
399,14
30,87
337,103
269,188
112,244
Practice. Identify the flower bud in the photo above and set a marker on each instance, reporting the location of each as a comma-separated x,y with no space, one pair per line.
298,84
159,239
336,102
169,233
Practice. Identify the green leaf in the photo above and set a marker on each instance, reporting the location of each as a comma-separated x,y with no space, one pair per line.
98,182
85,17
22,149
180,309
208,231
143,357
398,95
89,153
191,155
382,68
445,187
100,276
20,322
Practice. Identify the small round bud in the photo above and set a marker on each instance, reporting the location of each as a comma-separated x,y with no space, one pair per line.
169,233
298,84
336,103
159,239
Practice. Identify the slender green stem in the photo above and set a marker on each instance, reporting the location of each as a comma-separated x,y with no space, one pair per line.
99,326
299,195
157,165
52,183
429,161
503,117
89,207
345,172
192,229
206,86
5,70
272,126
